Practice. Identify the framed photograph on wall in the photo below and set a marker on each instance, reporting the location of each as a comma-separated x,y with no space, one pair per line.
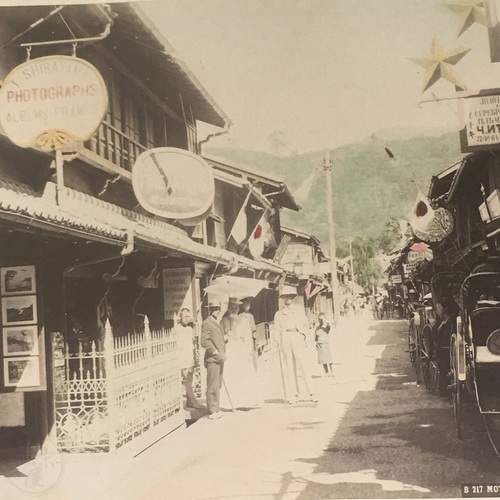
18,280
22,371
20,310
20,340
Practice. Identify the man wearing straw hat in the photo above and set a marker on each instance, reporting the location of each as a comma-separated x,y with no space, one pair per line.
212,340
292,327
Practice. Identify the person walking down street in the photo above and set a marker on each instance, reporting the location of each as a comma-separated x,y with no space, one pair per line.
185,335
212,340
322,338
247,316
292,328
240,376
230,320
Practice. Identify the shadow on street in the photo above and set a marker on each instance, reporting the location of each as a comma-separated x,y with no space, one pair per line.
398,441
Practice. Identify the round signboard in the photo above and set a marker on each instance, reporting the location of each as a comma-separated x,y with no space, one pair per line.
52,101
174,183
440,226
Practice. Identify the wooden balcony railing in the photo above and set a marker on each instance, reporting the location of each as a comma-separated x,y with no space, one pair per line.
115,146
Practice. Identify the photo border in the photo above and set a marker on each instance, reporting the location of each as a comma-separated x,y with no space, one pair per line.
32,352
30,359
5,305
31,272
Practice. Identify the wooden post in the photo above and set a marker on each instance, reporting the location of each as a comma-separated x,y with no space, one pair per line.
59,175
112,421
327,167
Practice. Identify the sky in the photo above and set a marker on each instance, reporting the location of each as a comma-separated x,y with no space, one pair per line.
306,75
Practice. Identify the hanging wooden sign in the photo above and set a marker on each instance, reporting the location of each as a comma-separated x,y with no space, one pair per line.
51,102
174,183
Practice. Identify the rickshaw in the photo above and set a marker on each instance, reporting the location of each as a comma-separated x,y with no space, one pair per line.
418,317
434,354
475,349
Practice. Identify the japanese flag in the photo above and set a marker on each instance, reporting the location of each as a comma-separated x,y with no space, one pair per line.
239,230
258,237
422,214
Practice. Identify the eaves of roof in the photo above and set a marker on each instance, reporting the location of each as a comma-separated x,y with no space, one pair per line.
441,183
276,188
464,166
162,55
85,216
38,211
301,234
161,233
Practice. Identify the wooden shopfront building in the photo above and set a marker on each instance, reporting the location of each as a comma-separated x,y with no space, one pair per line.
87,352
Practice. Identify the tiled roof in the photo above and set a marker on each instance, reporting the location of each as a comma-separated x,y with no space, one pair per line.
23,202
158,232
85,214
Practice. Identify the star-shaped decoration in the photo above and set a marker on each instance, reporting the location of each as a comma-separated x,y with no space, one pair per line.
470,12
439,65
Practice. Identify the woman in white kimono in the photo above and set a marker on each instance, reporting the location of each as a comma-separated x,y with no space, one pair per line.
240,375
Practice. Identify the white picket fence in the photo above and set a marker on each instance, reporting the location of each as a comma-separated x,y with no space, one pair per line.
105,398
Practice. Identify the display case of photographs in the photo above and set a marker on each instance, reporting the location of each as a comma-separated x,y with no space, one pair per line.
21,347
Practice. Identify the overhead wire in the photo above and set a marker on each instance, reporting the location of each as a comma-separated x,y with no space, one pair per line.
33,25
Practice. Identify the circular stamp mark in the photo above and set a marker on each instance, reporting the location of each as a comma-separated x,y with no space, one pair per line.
41,475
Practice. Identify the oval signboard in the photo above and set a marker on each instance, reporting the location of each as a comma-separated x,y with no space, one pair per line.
52,101
174,183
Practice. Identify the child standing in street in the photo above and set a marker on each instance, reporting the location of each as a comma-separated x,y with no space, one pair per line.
322,338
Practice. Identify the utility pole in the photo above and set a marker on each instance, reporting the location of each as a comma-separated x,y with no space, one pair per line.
327,167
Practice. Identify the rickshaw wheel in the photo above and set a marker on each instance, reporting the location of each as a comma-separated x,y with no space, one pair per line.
428,360
456,389
413,348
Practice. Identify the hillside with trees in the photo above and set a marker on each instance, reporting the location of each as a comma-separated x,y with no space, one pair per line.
375,182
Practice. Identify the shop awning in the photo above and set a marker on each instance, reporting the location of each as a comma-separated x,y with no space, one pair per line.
235,286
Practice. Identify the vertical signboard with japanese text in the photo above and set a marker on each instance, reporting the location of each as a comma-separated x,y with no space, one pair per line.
177,291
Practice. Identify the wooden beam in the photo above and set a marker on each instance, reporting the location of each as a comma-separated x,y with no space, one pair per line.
136,81
101,163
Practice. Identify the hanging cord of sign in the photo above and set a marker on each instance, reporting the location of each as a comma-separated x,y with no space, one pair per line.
74,44
33,25
73,41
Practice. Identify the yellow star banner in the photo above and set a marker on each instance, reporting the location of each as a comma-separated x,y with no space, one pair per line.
439,64
470,12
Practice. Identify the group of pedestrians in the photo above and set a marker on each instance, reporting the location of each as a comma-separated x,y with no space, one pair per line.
230,355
